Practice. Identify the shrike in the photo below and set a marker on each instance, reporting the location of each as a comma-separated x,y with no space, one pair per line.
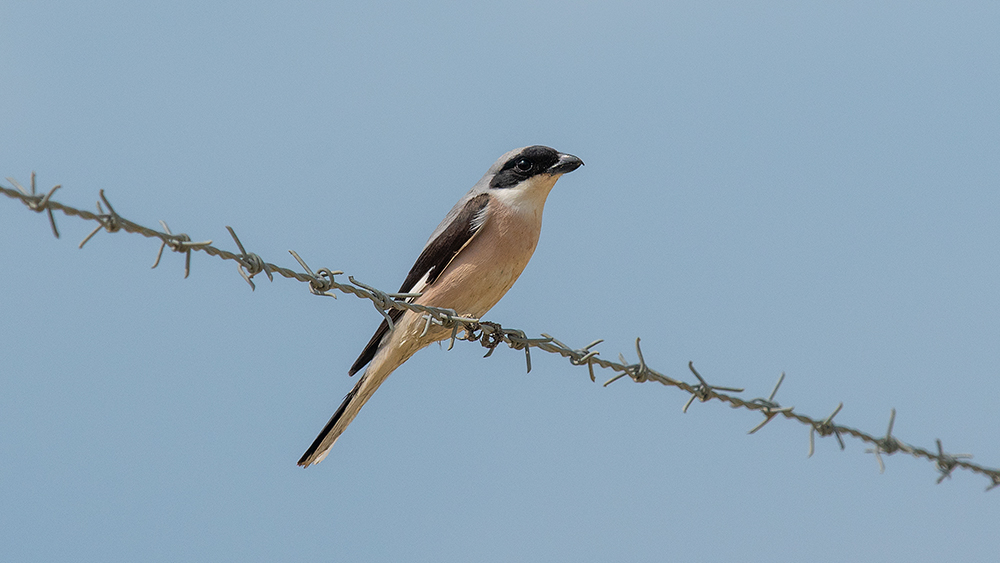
470,261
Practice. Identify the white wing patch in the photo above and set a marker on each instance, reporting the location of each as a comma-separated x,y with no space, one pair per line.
479,219
419,286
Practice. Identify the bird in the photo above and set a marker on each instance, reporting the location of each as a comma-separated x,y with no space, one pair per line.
469,262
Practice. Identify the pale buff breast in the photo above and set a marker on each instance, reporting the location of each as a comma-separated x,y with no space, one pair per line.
483,272
473,283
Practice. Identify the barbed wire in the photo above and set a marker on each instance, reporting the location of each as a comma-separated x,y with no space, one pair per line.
491,335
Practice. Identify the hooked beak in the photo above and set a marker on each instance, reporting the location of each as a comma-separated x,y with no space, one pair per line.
566,163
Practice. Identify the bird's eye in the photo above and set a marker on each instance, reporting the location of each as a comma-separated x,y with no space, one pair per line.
523,165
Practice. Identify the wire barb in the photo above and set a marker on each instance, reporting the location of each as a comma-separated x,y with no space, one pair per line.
36,202
321,283
639,373
109,221
825,428
995,482
946,463
587,354
178,243
249,264
887,445
518,340
703,391
384,301
769,407
582,356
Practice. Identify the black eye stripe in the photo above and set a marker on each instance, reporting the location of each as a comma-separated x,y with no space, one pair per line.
529,162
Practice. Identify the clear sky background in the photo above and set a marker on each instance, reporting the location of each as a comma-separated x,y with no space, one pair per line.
799,187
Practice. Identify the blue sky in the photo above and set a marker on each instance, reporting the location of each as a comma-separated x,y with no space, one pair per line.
799,188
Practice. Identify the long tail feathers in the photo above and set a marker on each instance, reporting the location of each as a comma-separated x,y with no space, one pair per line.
377,372
389,356
322,444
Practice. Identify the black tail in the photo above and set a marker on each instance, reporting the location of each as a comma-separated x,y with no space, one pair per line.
313,452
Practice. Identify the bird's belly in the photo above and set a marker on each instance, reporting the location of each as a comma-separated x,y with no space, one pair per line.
477,285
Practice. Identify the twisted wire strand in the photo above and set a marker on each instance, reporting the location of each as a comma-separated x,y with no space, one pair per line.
491,335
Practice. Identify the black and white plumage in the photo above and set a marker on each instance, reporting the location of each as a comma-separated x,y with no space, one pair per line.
470,261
